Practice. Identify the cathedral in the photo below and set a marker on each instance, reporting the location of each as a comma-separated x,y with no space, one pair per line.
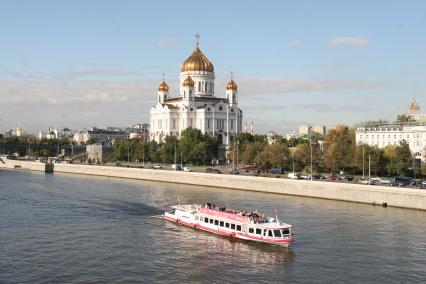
196,105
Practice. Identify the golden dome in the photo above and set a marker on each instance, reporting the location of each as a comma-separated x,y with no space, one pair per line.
231,85
163,87
188,82
197,62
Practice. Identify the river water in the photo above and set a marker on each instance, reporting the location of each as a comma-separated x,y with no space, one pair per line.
58,228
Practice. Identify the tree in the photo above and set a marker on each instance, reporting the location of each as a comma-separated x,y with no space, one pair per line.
404,162
403,118
250,152
377,159
274,155
339,148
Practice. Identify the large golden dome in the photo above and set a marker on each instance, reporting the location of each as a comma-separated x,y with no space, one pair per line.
197,62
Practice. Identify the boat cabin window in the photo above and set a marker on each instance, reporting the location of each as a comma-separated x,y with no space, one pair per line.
227,225
211,221
277,233
239,228
258,231
233,226
222,223
216,222
285,231
206,220
251,230
270,233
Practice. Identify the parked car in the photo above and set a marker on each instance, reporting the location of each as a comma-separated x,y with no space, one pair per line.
422,185
334,177
213,171
318,176
187,169
276,171
234,172
366,181
176,167
305,176
293,176
157,166
378,180
347,178
402,181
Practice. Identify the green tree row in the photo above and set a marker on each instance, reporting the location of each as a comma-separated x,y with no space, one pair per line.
337,152
193,147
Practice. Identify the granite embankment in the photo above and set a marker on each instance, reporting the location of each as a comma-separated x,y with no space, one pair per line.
397,197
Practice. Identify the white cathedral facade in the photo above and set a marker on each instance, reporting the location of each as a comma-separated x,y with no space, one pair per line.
196,105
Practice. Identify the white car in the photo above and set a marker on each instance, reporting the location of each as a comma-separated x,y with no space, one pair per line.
293,176
187,169
366,181
380,180
305,176
157,166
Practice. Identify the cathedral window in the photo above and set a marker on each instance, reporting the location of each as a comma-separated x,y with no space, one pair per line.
208,123
232,124
199,86
220,108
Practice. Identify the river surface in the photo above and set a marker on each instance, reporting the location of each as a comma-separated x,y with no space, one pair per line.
59,228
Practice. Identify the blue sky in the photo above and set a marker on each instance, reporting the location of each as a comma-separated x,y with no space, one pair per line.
96,63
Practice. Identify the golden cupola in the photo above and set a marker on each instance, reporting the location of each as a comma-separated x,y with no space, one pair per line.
188,82
163,87
197,61
231,85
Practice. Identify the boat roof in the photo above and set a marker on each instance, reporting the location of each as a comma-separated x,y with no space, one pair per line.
271,223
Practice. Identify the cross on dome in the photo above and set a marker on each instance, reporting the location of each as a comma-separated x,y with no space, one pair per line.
197,39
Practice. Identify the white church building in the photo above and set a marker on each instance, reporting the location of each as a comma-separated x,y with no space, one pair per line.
196,105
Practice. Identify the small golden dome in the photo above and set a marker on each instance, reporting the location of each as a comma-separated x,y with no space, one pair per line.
197,62
231,85
163,87
188,82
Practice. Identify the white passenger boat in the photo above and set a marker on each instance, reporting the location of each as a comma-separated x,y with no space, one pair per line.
233,223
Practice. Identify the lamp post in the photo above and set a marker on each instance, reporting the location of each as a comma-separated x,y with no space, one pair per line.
128,151
310,144
369,168
292,156
143,154
175,156
363,163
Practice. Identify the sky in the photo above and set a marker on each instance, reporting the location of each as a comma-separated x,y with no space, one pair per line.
80,64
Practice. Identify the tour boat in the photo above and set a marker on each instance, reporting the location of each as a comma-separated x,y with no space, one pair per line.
232,223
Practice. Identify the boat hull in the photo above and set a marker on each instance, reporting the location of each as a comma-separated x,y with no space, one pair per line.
237,235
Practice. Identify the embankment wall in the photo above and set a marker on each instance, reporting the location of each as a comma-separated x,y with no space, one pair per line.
397,197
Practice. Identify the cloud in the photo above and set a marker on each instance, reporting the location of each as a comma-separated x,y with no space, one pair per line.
72,94
327,108
348,41
295,43
167,42
252,86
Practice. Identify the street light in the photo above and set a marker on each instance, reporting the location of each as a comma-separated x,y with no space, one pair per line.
128,151
175,156
292,155
363,163
143,154
310,144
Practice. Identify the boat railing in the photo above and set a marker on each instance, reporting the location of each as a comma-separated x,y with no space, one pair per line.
224,215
